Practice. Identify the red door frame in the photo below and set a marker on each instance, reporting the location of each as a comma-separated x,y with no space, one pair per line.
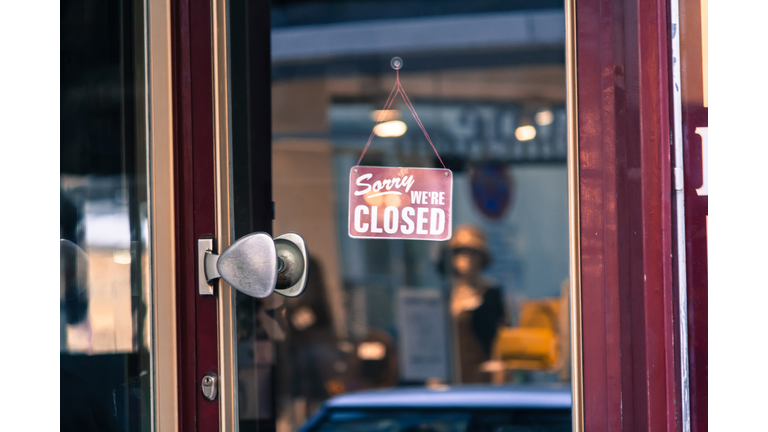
192,64
694,115
195,206
628,303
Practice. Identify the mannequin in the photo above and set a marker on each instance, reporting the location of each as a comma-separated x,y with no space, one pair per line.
476,304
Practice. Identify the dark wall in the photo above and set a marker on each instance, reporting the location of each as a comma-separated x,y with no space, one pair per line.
90,87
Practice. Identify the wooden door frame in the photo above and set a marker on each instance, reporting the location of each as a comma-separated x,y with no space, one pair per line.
625,200
201,153
162,217
201,157
694,114
195,204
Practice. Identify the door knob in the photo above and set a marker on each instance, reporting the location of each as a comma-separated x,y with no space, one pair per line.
257,265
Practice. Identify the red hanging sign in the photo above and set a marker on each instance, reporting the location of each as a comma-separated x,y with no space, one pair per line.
400,203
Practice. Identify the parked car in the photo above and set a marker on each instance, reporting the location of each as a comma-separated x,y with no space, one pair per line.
476,408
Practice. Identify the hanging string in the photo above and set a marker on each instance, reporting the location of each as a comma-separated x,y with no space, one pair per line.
418,120
398,89
390,99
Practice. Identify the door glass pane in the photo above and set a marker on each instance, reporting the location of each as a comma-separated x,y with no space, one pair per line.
490,305
104,344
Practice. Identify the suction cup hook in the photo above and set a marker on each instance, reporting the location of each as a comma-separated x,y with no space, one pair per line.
396,63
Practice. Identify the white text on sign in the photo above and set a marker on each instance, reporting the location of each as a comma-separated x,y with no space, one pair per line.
400,203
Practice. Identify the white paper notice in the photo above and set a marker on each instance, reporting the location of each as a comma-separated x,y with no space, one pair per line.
423,337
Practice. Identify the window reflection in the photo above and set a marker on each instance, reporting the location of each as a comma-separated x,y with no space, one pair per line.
101,320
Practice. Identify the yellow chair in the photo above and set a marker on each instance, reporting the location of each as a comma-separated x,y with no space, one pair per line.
541,341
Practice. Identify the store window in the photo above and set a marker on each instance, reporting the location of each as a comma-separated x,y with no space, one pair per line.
490,305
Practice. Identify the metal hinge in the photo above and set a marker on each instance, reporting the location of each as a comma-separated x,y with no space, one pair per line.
678,179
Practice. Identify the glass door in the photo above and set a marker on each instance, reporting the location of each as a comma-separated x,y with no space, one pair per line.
389,331
106,350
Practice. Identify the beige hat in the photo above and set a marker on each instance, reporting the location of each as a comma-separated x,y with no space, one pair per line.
470,237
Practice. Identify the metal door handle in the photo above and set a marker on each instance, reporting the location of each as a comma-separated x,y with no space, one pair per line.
256,265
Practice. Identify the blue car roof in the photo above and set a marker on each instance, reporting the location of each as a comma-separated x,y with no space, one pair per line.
467,396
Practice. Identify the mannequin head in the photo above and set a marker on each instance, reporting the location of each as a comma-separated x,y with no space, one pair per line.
467,262
469,251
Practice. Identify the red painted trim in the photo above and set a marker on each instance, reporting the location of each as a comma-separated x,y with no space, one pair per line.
625,203
695,115
657,190
195,207
184,213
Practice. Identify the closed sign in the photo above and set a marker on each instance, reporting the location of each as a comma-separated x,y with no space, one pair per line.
400,203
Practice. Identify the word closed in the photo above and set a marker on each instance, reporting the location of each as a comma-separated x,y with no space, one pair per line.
400,203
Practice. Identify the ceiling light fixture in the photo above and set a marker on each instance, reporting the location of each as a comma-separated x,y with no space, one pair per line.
525,133
390,129
544,118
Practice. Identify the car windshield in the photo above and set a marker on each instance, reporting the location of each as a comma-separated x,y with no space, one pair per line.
454,420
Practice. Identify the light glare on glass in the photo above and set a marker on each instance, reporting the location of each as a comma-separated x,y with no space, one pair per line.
544,118
385,115
390,129
392,200
121,257
371,351
525,133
